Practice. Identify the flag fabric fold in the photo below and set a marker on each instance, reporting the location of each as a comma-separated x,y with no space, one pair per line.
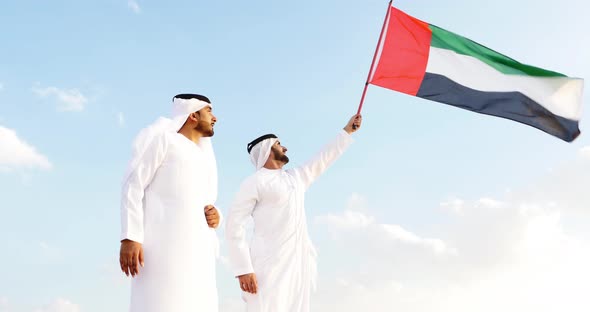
427,61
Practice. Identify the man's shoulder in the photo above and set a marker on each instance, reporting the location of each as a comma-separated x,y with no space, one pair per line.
254,178
161,138
168,135
249,184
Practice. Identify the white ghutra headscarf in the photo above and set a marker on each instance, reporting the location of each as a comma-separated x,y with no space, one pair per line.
260,148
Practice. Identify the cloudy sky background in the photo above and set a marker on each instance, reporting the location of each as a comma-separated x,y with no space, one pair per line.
432,208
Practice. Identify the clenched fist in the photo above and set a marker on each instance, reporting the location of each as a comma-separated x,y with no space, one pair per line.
212,216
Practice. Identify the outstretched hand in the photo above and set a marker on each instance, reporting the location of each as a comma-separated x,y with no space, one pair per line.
354,123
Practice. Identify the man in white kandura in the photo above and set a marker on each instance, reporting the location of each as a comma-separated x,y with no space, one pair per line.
167,214
277,270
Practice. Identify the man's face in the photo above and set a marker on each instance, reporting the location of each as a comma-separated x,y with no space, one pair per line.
278,151
206,121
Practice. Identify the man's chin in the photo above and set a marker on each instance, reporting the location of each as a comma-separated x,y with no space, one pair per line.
207,133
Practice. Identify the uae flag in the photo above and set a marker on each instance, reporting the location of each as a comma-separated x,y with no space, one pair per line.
423,60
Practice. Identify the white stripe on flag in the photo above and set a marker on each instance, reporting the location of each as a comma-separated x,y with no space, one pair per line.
560,95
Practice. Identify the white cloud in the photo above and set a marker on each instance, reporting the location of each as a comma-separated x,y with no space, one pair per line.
134,6
121,119
17,153
455,206
357,226
349,220
498,256
60,305
4,304
356,202
585,151
1,87
68,100
566,185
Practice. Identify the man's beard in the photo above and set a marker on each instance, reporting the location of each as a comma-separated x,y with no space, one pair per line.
280,157
205,129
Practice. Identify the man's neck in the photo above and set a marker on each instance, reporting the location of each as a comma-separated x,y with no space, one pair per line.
272,164
190,134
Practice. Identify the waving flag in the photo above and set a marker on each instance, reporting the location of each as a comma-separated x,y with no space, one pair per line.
426,61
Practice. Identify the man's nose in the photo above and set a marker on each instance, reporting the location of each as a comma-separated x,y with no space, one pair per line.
284,149
214,119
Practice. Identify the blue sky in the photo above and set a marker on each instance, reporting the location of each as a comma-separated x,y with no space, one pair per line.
401,219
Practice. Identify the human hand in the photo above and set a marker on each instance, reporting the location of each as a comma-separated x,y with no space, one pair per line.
131,257
212,216
353,124
248,283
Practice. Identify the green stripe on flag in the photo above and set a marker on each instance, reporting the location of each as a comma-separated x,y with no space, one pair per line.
447,40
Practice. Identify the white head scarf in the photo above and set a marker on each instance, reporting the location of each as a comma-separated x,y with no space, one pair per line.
260,152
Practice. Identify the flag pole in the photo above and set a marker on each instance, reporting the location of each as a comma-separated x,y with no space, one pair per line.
374,57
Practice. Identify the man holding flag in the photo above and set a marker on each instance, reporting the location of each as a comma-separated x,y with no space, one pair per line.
277,270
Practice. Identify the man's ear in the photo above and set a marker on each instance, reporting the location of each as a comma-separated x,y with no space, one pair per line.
195,116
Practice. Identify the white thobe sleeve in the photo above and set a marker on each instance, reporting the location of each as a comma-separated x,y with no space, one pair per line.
132,192
322,160
235,232
214,232
221,217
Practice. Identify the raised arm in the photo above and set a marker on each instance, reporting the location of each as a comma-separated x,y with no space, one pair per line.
311,170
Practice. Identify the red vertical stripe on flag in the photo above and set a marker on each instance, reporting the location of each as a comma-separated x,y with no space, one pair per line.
404,56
